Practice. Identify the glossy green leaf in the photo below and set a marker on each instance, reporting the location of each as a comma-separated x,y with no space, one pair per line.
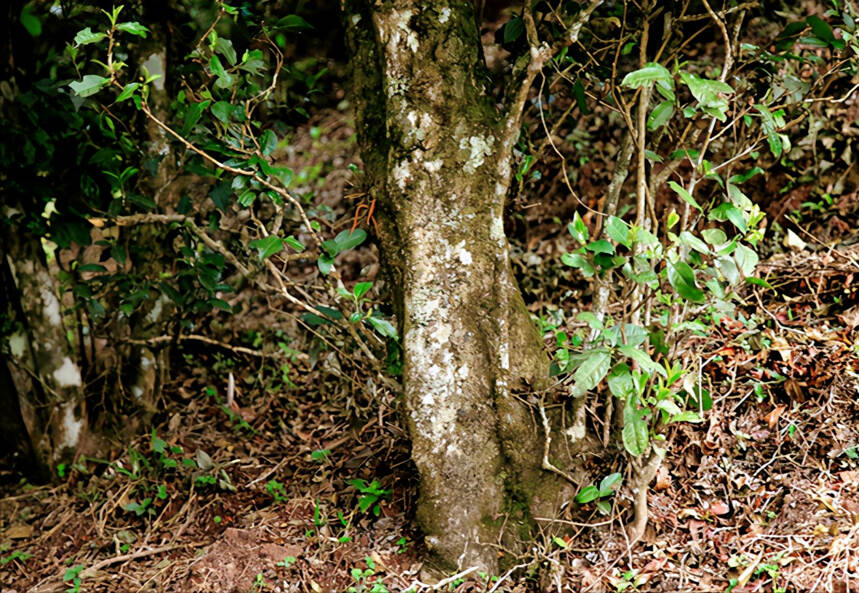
578,229
86,36
383,326
226,49
746,259
134,28
578,261
682,279
587,494
222,110
267,142
768,123
610,483
513,29
660,115
601,246
361,288
620,382
635,432
651,73
645,362
681,191
591,371
267,246
347,240
127,91
687,238
618,230
294,243
89,85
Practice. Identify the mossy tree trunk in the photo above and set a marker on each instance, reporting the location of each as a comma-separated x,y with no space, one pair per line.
437,153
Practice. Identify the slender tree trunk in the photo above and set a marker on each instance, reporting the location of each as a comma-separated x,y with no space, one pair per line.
438,158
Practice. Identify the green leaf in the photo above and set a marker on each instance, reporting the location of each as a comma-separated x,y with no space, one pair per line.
513,29
226,49
821,29
601,246
738,198
221,195
652,156
643,359
620,382
127,91
728,268
746,259
660,115
669,407
253,62
673,218
768,123
90,85
133,28
604,507
247,197
727,211
707,91
618,230
694,242
578,229
578,261
591,371
348,239
587,494
651,73
687,416
681,191
294,243
738,179
361,288
560,542
30,21
383,326
714,237
610,483
267,142
292,22
86,36
634,434
325,263
682,279
222,110
591,319
267,246
192,115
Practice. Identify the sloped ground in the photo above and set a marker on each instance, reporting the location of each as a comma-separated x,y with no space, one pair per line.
304,482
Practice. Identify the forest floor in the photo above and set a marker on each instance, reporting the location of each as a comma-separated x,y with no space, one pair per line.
303,483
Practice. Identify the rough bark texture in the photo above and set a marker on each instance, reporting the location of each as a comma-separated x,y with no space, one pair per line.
438,157
41,361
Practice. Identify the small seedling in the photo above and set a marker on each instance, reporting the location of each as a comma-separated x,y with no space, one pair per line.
16,555
320,455
71,577
607,487
286,562
276,491
372,494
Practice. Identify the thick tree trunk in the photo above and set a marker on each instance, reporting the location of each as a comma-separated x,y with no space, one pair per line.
42,363
438,156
